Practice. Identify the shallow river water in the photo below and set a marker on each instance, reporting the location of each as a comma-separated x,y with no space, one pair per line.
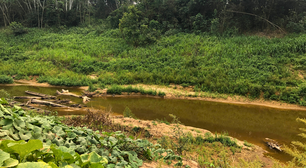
245,122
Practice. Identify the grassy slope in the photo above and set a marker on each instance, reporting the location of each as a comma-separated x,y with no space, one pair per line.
243,65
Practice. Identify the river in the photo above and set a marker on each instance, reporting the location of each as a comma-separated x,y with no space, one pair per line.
252,123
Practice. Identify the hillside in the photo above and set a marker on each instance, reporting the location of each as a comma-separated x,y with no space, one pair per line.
252,66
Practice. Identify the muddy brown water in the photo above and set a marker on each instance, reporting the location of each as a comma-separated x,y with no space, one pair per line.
245,122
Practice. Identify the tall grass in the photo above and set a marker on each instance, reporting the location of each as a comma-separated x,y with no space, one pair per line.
116,89
242,65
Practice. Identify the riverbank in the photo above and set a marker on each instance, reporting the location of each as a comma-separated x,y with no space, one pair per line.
179,92
241,156
187,110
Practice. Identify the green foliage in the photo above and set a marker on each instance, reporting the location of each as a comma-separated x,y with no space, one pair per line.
241,65
4,94
31,141
91,87
180,141
298,149
136,29
199,24
128,113
115,89
6,79
17,28
247,144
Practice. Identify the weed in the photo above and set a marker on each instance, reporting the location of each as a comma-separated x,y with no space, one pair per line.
4,94
91,87
163,121
128,113
247,144
179,143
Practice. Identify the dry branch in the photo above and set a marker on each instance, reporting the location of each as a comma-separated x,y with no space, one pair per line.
26,97
34,101
44,96
68,94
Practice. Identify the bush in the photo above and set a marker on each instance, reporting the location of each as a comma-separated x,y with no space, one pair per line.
6,79
136,29
115,89
17,28
4,94
91,87
161,94
128,113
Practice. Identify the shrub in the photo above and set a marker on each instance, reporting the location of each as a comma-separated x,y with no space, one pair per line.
17,28
6,79
115,89
91,87
161,94
135,28
128,113
4,94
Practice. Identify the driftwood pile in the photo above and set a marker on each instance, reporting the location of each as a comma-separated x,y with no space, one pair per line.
49,100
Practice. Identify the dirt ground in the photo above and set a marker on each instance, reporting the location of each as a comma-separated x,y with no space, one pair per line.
158,130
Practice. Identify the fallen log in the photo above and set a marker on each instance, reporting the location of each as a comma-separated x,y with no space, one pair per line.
76,105
44,96
67,94
29,102
85,99
26,97
35,101
272,144
61,101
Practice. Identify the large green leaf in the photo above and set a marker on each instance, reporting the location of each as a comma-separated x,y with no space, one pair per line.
5,122
26,148
93,160
52,164
25,135
4,133
59,131
4,145
10,163
19,124
63,153
34,165
3,101
3,156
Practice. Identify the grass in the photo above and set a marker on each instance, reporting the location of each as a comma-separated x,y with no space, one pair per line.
247,144
243,65
118,90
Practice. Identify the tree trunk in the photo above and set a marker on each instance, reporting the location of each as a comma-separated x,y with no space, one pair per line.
34,101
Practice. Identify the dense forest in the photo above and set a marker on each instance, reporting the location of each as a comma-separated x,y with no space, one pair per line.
160,16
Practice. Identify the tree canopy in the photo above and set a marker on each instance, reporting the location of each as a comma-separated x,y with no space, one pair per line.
183,15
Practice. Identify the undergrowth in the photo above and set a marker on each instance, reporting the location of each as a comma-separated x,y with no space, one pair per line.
257,67
43,141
